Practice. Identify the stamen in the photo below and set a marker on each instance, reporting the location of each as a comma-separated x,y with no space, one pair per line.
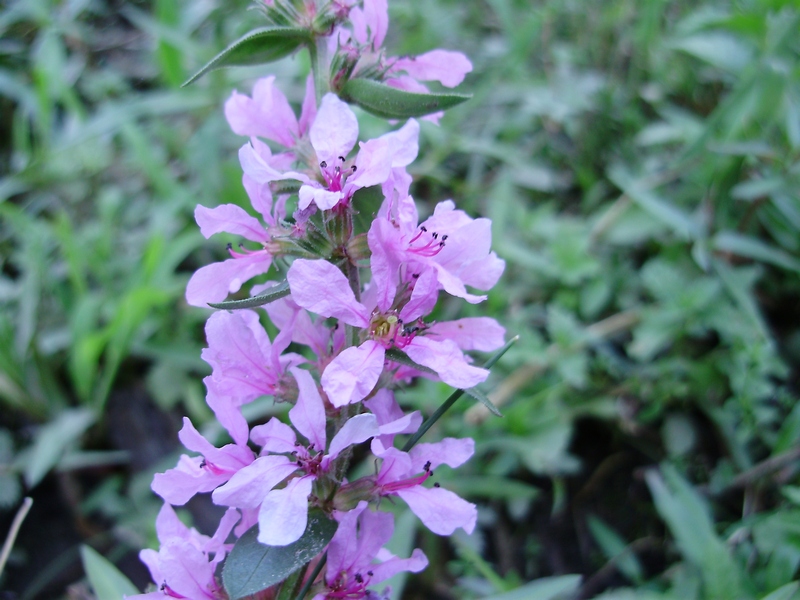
323,164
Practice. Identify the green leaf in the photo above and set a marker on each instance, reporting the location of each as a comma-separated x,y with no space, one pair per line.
259,46
52,440
391,103
786,592
106,580
474,392
689,520
252,566
547,588
398,356
274,293
750,247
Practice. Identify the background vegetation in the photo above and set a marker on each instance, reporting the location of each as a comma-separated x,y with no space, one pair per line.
641,164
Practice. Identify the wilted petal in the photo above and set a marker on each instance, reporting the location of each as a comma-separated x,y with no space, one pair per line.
353,373
321,288
440,510
284,513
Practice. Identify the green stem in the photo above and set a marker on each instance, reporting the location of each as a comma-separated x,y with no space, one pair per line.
453,397
314,574
318,53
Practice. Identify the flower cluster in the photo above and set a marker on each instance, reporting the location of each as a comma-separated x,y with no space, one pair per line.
357,314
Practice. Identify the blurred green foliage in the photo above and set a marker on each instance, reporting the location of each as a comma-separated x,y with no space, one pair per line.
641,165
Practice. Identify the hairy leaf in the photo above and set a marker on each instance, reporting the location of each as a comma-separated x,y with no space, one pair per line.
391,103
259,46
274,293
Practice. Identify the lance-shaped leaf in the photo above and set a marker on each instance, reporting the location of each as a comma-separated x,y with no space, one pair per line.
257,47
274,293
478,395
252,566
391,103
401,357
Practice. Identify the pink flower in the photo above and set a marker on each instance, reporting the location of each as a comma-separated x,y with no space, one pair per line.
454,246
203,473
369,26
333,135
321,288
402,474
245,366
213,283
184,566
357,559
283,512
268,114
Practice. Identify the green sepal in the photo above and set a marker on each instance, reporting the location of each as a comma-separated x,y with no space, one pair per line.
391,103
252,566
478,395
257,47
274,293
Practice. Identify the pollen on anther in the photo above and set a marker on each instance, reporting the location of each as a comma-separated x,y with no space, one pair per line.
341,158
323,164
436,484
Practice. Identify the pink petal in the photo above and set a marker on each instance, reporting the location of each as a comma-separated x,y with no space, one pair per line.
404,143
447,360
352,375
308,415
260,198
214,282
472,333
248,487
440,510
309,110
284,513
374,164
356,429
321,288
274,436
324,199
423,297
384,242
392,566
266,114
229,218
444,66
335,130
453,452
371,24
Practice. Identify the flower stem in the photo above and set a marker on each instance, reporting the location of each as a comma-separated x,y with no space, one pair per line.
453,397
